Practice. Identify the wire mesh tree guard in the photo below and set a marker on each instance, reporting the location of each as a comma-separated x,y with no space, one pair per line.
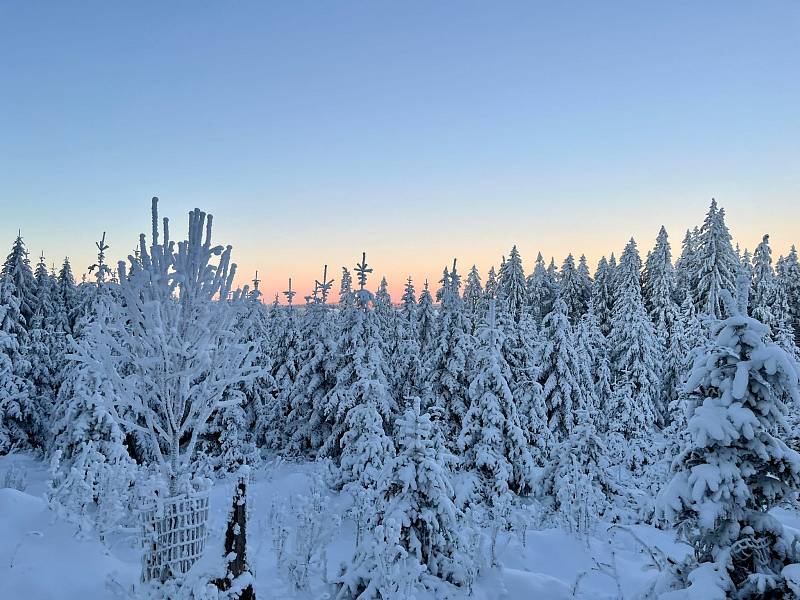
173,534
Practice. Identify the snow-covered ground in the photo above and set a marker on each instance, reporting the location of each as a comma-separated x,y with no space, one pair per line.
42,559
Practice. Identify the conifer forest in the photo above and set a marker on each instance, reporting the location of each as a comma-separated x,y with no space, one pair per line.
548,429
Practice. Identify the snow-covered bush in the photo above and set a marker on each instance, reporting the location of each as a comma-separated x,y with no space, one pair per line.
313,526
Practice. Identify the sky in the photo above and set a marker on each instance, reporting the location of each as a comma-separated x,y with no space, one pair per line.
416,131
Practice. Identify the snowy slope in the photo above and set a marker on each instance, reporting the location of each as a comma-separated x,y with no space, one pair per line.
41,559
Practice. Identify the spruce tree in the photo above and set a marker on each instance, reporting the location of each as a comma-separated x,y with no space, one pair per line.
687,337
418,494
686,266
492,440
716,264
768,299
577,478
308,427
603,296
45,292
385,316
20,422
426,322
473,296
593,348
409,304
259,393
560,372
635,349
242,423
574,290
735,467
17,269
511,293
43,351
658,284
541,290
285,365
91,466
518,349
406,363
762,291
789,280
67,293
383,303
449,361
489,290
345,288
360,407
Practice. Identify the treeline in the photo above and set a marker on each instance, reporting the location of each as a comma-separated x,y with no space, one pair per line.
518,388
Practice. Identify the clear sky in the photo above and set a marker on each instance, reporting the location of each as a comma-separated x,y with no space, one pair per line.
416,131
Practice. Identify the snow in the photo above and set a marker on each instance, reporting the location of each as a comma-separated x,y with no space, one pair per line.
42,559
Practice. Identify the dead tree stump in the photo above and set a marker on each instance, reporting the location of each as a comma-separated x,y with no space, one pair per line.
236,546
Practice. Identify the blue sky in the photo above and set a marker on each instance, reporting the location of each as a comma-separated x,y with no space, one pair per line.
416,131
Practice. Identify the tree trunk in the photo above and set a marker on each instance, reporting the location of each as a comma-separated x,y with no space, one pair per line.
236,543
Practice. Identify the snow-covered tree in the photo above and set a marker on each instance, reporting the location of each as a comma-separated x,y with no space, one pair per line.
249,423
658,284
518,348
21,423
381,568
715,262
789,280
17,269
762,293
686,268
365,445
450,356
687,336
575,289
585,279
383,307
44,291
168,316
68,294
91,466
418,494
285,364
560,372
409,377
473,296
408,305
360,407
43,352
490,289
345,288
603,295
635,349
577,477
540,289
768,298
307,425
595,361
735,467
426,321
511,292
492,441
